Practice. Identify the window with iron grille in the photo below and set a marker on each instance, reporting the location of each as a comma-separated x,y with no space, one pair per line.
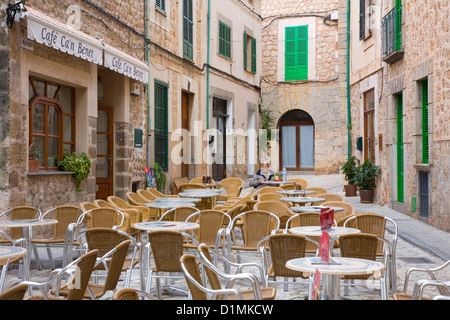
188,30
391,30
161,5
161,125
296,53
224,40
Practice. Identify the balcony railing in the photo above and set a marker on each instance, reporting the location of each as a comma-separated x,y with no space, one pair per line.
392,35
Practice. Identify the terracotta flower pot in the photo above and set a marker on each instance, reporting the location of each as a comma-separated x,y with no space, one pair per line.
366,196
33,165
350,190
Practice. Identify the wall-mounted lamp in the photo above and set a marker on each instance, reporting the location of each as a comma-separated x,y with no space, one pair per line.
12,10
135,89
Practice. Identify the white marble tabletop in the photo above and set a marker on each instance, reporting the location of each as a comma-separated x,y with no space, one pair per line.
302,199
200,193
317,209
169,205
316,231
10,252
176,200
166,225
296,192
27,222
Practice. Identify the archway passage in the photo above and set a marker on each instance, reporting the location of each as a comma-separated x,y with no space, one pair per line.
296,141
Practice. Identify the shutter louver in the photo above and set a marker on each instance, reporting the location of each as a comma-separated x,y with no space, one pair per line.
161,126
400,150
362,19
245,50
425,132
253,55
296,53
188,30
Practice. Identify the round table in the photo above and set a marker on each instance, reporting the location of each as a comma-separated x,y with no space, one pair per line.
316,231
169,205
10,252
296,192
204,194
330,273
301,200
175,200
166,225
301,209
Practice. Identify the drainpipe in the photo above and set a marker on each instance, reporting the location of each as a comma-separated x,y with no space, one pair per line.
207,67
349,116
147,44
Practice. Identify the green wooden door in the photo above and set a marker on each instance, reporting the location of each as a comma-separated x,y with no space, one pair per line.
400,150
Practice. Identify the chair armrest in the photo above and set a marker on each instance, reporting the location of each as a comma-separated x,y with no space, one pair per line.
422,284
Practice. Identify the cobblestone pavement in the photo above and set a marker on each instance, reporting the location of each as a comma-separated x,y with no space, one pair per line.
408,255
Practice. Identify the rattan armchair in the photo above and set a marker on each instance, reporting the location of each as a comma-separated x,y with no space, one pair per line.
341,216
113,262
199,180
166,248
131,216
328,197
302,220
278,208
276,250
189,265
16,292
301,184
158,194
188,186
146,195
80,271
256,224
178,214
64,232
363,246
270,196
317,190
232,186
136,199
102,218
431,279
132,294
146,213
268,189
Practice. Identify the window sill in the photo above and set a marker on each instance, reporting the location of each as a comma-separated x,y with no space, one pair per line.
225,57
50,173
423,167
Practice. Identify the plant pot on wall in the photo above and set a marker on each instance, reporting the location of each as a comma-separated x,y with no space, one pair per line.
33,165
366,196
350,190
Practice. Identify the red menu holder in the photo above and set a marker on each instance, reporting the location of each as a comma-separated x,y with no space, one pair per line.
315,292
326,218
324,247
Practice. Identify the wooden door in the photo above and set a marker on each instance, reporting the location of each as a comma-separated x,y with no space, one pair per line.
297,146
185,124
105,151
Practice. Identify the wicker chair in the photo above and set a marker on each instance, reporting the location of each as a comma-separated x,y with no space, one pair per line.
199,180
341,216
268,189
278,208
276,250
106,239
131,216
166,248
146,195
64,232
188,186
270,197
318,190
362,246
178,214
232,186
85,266
86,206
328,197
301,184
131,294
103,218
113,262
190,267
16,292
212,227
136,200
147,213
302,220
430,280
256,225
158,194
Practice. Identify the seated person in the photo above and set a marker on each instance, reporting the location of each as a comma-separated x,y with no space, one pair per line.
262,175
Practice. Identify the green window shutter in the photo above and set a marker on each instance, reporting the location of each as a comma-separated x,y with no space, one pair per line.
362,19
161,125
188,30
296,53
253,55
425,137
400,150
245,50
161,5
398,25
224,40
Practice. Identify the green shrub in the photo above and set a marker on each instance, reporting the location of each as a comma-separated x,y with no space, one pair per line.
367,172
79,164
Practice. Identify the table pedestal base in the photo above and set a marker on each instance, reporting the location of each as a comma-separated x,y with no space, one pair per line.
330,287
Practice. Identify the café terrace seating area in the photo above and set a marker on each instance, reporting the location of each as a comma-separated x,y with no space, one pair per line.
209,240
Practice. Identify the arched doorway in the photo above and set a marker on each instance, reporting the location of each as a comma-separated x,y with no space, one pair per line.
296,141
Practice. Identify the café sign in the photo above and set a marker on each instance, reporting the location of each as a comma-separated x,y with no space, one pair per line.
126,65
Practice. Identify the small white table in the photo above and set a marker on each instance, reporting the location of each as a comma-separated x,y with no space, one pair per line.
204,194
176,200
166,225
330,273
301,209
10,252
302,200
296,192
316,231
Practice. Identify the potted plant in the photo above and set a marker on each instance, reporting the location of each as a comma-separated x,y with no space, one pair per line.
349,170
33,158
80,165
367,173
160,177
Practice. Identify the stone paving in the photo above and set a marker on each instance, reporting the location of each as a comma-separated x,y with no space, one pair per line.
408,255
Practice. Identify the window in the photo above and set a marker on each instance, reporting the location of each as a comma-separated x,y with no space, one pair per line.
249,53
52,120
369,128
296,53
400,150
365,25
161,125
425,133
224,40
161,5
188,30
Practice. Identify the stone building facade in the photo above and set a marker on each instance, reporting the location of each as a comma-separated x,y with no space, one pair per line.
406,79
306,95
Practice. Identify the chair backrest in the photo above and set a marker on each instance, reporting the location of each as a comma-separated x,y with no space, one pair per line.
136,199
284,247
85,266
179,214
257,224
86,206
65,216
371,223
359,245
188,186
177,183
212,276
330,197
305,219
278,208
210,221
301,184
16,292
104,218
232,186
125,294
235,210
115,265
199,180
190,269
146,195
270,197
166,260
21,212
102,239
269,189
318,190
118,202
103,204
341,216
